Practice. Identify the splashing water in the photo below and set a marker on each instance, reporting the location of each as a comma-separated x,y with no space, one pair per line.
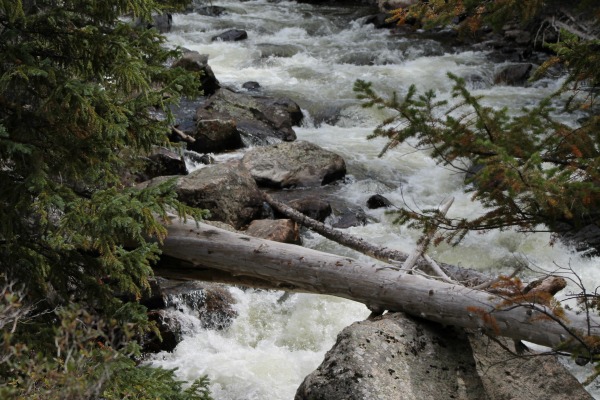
313,55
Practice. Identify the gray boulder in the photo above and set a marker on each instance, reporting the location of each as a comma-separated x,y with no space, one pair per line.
399,357
257,120
226,190
294,164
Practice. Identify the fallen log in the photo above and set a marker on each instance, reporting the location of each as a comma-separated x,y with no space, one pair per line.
467,277
203,250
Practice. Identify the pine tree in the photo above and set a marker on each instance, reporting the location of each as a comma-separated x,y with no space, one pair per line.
83,92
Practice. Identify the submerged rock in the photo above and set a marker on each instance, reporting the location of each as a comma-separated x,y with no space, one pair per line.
210,11
378,201
232,35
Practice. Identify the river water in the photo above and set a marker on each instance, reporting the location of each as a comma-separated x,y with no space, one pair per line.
313,55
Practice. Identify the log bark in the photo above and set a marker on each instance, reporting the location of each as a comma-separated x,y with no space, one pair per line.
229,257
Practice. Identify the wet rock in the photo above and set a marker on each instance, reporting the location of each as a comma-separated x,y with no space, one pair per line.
258,120
197,158
216,136
227,190
212,303
278,50
232,35
537,378
251,86
196,62
513,74
399,357
378,201
349,217
216,311
312,207
387,5
279,230
284,110
585,239
294,164
169,329
519,36
161,162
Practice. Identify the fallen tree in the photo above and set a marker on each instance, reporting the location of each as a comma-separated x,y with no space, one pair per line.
204,252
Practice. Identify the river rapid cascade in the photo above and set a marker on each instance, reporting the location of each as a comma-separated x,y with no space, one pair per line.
313,55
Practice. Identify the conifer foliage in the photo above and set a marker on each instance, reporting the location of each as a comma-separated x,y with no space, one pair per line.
83,92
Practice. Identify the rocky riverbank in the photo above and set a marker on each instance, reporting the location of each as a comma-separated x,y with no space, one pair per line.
304,175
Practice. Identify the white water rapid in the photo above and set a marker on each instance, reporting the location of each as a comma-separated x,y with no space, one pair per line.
313,55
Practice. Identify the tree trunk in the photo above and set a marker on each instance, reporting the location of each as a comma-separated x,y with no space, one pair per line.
204,251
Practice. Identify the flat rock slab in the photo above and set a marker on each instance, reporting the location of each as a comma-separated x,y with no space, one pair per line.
296,164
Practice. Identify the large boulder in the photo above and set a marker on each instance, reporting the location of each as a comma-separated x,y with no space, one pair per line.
507,377
294,164
258,120
399,357
227,190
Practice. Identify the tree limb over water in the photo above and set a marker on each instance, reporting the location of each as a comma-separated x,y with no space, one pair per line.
204,250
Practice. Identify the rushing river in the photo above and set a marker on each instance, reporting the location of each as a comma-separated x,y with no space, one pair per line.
313,55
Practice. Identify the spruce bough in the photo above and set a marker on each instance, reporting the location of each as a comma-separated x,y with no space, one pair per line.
83,93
